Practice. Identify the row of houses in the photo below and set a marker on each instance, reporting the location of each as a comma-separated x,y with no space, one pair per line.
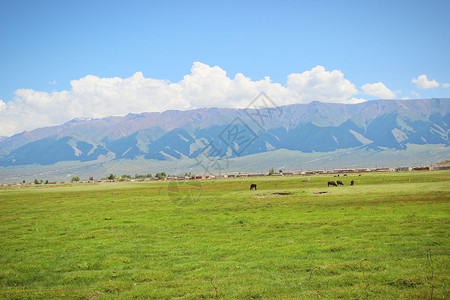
311,172
239,175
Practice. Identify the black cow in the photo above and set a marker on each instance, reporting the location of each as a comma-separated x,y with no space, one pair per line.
339,182
332,183
352,182
253,186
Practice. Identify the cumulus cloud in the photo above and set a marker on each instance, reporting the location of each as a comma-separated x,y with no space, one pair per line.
423,82
446,84
205,86
319,84
378,90
356,100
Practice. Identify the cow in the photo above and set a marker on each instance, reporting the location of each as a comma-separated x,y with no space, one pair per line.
345,174
339,182
352,182
253,186
332,183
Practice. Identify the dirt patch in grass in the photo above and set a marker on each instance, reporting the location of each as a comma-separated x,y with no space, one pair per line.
271,194
261,196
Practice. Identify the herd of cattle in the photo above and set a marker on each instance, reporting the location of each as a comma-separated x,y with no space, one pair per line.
332,183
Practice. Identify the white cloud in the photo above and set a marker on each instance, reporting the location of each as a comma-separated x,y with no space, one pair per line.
415,94
423,82
356,100
321,85
445,84
379,90
205,86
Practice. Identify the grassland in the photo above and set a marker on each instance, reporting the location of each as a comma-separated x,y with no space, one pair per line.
169,240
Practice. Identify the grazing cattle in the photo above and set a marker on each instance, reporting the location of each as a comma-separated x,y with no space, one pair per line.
339,182
332,183
352,182
345,174
253,186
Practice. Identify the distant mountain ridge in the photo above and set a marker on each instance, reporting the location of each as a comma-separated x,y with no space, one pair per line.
172,135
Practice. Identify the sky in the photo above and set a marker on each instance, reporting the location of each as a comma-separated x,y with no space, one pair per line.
61,60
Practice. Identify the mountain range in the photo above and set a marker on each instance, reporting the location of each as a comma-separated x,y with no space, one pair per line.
230,133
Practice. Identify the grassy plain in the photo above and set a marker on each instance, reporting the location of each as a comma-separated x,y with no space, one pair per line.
218,239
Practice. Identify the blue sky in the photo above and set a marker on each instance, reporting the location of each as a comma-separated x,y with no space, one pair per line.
45,45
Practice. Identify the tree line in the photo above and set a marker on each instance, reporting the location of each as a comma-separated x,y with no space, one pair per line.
160,175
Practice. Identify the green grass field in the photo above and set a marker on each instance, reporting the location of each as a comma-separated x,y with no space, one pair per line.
218,239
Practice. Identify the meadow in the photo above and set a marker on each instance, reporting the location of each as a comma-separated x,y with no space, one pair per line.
386,237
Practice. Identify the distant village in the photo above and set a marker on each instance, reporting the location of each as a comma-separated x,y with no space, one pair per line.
337,172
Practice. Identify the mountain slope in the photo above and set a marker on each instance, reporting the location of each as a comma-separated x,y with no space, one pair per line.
174,135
